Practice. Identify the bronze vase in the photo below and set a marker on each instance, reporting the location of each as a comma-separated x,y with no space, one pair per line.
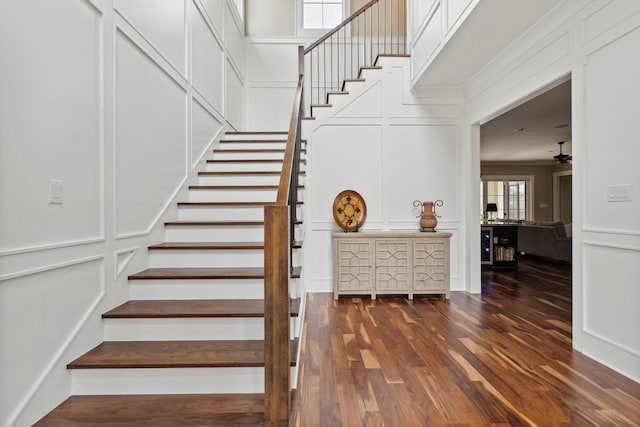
428,216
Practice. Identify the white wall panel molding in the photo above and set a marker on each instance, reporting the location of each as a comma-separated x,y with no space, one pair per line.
234,38
610,275
121,259
526,67
367,104
235,99
610,75
207,62
626,361
270,62
608,17
162,24
426,42
278,113
420,11
53,246
55,56
150,135
613,231
80,283
43,268
213,10
123,29
633,246
205,129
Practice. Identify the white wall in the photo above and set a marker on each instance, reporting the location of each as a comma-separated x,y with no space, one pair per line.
119,100
392,148
596,42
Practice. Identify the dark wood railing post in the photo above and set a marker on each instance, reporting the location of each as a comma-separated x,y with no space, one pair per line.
277,354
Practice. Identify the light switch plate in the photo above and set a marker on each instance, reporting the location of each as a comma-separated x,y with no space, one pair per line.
619,193
55,192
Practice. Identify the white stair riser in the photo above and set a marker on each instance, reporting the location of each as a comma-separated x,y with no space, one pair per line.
167,381
215,234
238,179
235,195
228,328
195,289
248,145
224,213
228,155
207,258
254,136
211,258
239,166
221,213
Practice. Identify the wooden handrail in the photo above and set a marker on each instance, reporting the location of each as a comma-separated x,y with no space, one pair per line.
340,26
278,238
287,166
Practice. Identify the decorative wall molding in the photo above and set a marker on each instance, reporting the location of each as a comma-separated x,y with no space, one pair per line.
121,259
56,360
50,267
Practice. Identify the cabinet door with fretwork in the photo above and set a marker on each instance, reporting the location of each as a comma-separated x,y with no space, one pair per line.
392,266
430,271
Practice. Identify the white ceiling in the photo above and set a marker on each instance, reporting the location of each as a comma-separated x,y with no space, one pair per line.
488,30
490,27
531,131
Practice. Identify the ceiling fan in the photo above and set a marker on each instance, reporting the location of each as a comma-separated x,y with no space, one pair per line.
562,158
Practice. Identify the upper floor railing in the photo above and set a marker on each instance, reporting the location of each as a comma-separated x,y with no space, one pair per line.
377,28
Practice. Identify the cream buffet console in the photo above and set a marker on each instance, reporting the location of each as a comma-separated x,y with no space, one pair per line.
391,262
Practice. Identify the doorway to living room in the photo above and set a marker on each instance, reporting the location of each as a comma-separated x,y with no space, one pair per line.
526,180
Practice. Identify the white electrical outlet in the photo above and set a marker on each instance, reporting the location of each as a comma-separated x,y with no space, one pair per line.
619,193
55,192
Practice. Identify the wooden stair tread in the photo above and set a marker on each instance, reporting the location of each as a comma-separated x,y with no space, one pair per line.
216,223
209,173
175,354
235,141
227,204
199,273
237,187
154,309
250,132
158,410
253,150
249,161
212,245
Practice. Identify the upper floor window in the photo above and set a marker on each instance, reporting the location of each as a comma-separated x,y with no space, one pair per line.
321,14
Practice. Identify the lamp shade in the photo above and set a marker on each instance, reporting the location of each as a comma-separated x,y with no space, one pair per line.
492,207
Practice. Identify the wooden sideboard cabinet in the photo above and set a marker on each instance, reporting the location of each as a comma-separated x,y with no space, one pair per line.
391,262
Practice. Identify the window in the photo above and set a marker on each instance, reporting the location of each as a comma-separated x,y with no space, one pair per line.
321,14
510,194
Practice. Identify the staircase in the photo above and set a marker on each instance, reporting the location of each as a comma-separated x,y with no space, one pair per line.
188,348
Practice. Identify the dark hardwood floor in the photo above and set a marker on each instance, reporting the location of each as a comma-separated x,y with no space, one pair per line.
503,358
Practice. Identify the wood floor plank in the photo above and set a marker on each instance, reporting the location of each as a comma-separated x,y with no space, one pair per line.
502,358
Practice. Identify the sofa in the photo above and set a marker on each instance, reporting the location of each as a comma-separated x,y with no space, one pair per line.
551,240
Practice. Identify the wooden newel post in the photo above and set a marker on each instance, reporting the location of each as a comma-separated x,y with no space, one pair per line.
277,351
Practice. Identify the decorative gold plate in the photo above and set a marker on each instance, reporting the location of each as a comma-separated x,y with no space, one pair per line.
349,210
